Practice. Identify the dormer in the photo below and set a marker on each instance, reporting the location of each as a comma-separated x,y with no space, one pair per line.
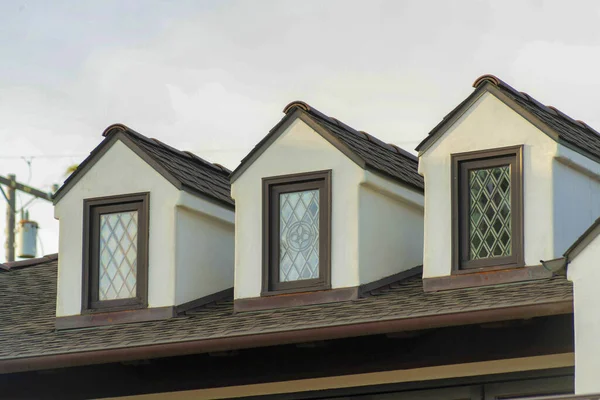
322,209
509,182
145,231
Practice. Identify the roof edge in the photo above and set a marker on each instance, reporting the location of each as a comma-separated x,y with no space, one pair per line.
315,119
367,289
120,132
582,241
9,266
287,337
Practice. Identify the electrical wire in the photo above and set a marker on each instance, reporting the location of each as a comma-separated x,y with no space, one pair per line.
5,157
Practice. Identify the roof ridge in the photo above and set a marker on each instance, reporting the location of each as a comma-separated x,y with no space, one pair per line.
153,141
547,108
184,153
373,139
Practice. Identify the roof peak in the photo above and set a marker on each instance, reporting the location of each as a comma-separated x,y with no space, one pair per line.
576,132
373,139
494,80
118,127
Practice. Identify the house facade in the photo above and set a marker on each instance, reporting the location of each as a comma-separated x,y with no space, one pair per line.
327,265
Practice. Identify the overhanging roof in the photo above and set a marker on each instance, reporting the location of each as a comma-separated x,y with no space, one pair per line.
30,341
575,134
365,150
185,170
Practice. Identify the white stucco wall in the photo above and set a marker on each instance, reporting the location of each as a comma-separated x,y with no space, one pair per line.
298,149
205,250
390,228
119,171
583,271
488,124
376,224
576,204
191,248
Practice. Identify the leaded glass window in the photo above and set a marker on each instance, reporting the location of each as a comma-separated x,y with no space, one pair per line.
116,249
118,255
489,212
299,236
297,225
487,209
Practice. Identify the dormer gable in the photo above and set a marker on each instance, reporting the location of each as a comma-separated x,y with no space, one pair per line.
321,209
503,175
143,227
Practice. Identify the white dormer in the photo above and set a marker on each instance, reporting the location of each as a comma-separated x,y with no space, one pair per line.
509,182
143,227
320,210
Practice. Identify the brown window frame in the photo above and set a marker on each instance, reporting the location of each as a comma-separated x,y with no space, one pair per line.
92,209
461,164
272,187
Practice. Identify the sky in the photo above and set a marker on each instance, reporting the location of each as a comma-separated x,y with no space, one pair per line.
213,77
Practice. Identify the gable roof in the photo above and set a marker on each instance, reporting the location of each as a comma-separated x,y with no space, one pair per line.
185,170
574,134
30,340
365,150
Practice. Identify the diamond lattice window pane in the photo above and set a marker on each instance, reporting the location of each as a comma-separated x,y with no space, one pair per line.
489,213
299,236
118,255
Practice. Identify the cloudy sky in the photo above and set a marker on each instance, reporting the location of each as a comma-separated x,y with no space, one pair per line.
213,76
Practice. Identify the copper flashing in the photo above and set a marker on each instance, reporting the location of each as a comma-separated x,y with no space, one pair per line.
486,78
296,299
115,128
485,277
116,317
300,104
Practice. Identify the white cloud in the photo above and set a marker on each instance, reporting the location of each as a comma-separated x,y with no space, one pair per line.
213,77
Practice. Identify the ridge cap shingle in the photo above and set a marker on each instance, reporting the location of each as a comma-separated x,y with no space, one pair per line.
405,167
574,132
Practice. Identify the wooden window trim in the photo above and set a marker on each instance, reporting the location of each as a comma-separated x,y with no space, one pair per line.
272,186
92,209
481,159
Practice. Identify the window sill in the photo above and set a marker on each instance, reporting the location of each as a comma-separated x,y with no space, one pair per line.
114,309
485,277
318,287
285,300
99,318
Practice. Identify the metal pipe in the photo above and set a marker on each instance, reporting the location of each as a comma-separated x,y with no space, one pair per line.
11,206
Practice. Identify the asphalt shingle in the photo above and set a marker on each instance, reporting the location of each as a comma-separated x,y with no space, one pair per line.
382,157
29,298
193,173
386,159
576,133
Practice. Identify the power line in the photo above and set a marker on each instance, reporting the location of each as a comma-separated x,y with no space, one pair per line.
44,156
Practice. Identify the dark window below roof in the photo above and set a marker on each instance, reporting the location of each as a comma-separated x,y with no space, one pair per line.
296,227
115,253
487,209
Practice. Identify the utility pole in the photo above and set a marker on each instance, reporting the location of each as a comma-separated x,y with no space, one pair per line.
11,208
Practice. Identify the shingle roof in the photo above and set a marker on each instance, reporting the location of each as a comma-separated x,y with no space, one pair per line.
28,295
190,171
387,159
576,133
